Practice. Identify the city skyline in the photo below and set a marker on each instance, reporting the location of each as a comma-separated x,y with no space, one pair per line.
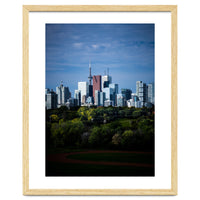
126,49
106,96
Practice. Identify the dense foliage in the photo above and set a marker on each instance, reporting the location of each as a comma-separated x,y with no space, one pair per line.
102,127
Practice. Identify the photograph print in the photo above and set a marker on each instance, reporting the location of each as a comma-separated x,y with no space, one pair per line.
100,100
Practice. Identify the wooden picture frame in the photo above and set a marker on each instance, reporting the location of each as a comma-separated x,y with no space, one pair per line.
100,8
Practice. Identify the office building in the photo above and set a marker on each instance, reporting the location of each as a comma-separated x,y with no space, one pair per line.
114,93
108,93
96,84
108,103
114,86
133,94
134,97
139,104
142,91
127,93
46,92
83,100
71,102
51,102
63,94
130,103
106,80
102,98
83,87
77,95
90,100
120,100
97,97
148,104
90,90
151,93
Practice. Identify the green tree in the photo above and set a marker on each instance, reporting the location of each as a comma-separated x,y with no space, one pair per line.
54,118
55,129
136,114
128,139
128,112
95,137
146,126
73,131
121,113
116,139
82,112
56,135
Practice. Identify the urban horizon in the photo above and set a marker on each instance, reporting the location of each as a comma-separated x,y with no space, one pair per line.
64,82
106,73
98,85
126,49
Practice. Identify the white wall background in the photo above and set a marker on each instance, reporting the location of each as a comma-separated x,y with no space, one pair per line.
11,96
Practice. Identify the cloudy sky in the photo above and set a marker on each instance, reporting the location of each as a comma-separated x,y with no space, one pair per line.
126,49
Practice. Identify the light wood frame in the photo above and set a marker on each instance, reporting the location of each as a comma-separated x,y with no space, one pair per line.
100,8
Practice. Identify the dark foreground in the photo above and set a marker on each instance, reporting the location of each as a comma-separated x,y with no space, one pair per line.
103,141
100,163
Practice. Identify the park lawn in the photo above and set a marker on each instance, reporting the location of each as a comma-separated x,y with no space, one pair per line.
63,150
115,157
70,169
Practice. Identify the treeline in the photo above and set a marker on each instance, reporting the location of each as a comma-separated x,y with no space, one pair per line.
107,128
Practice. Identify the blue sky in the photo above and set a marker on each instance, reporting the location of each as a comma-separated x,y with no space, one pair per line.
126,49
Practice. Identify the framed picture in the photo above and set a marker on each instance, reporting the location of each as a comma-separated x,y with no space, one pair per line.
99,100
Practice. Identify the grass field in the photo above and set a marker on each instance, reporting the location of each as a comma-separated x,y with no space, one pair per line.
98,167
115,157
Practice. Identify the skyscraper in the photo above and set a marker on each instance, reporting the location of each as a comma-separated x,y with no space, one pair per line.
127,93
114,86
46,92
108,93
130,103
63,94
151,93
77,95
83,100
90,100
51,100
71,102
108,103
83,87
102,98
114,93
90,87
97,97
90,90
142,91
106,80
120,100
96,84
134,97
